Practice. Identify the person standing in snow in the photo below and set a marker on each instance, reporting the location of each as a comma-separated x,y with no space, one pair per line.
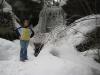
24,33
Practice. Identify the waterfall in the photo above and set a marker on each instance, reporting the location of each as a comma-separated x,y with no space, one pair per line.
49,19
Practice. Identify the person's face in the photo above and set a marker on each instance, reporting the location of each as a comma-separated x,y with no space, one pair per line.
26,23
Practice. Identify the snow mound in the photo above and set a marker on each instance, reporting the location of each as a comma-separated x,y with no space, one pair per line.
7,49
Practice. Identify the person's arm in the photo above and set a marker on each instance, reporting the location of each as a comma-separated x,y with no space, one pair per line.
18,32
32,33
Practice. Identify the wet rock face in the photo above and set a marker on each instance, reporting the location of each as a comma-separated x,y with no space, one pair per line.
6,26
5,19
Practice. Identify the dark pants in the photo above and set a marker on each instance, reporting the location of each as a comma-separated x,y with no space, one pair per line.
23,51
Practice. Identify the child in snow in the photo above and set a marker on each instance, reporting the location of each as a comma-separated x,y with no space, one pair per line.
24,33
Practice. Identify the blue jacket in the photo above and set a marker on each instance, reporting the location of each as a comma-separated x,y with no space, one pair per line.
19,31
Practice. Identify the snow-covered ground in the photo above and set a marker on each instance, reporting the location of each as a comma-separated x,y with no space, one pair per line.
60,58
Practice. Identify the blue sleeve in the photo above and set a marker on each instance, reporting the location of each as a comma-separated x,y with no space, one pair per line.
18,31
32,33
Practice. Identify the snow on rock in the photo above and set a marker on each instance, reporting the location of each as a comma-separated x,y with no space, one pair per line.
91,53
6,7
63,2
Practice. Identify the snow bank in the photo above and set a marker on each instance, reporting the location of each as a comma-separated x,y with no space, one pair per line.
7,49
45,64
